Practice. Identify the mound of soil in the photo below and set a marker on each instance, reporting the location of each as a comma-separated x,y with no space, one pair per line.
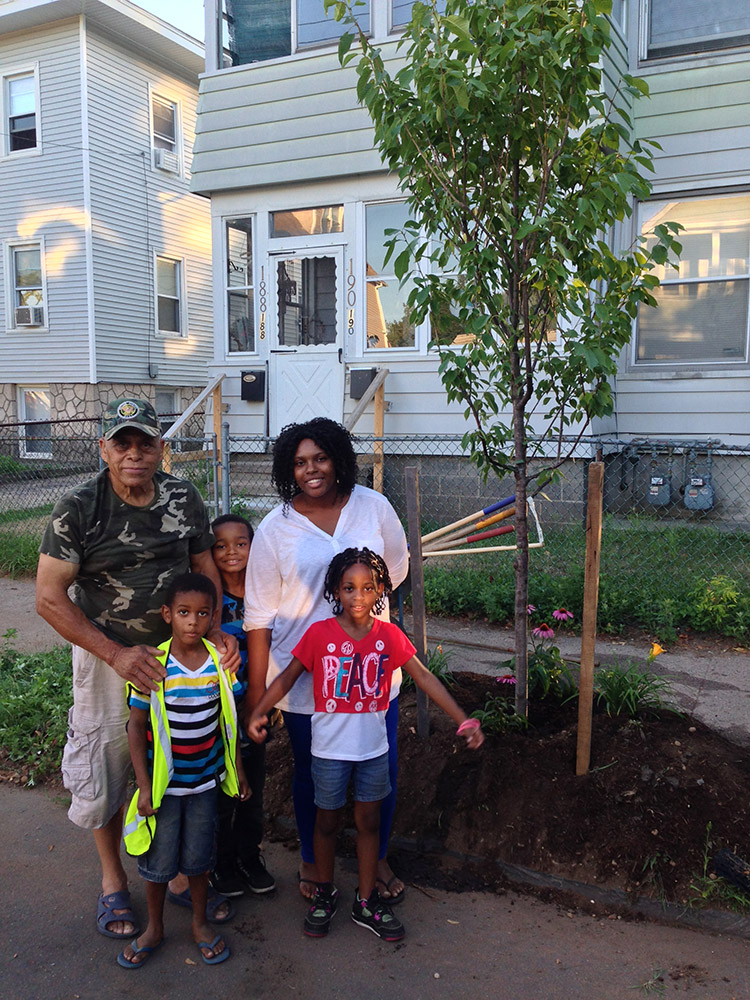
658,789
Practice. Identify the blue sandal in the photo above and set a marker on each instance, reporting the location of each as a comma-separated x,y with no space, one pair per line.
126,963
215,900
222,956
105,913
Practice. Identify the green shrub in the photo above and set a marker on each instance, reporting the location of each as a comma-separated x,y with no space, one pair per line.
499,716
19,553
35,694
629,691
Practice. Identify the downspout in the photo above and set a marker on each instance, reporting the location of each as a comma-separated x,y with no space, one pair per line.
86,178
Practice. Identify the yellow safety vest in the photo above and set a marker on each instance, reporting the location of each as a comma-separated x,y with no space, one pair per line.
139,830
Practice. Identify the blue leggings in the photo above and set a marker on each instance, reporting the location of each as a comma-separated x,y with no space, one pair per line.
303,790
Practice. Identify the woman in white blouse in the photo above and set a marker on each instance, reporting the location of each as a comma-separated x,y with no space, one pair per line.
323,512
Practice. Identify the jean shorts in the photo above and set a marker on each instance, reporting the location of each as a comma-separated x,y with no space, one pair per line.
185,838
331,779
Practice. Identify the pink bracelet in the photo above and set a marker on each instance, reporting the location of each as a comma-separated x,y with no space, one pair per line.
467,726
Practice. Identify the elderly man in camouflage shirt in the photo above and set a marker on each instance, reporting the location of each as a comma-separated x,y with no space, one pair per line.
118,540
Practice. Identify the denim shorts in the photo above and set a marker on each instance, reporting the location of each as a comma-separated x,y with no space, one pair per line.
185,838
331,778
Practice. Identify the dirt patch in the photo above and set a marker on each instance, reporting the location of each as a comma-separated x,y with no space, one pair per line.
637,821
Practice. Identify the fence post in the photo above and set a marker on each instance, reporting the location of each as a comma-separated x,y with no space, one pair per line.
225,483
590,605
377,449
411,478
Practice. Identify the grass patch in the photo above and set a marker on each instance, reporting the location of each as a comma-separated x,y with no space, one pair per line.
658,580
35,693
19,554
26,514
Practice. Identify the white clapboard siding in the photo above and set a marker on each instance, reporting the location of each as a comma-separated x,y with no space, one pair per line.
42,199
289,121
696,408
138,211
700,114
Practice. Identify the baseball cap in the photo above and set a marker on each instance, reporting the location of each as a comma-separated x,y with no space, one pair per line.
126,412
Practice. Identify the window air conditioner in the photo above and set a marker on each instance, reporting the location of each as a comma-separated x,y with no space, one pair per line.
29,316
166,159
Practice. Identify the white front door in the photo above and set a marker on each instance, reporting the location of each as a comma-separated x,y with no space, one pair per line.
307,336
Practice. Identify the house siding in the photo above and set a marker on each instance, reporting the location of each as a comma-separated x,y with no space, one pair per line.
43,199
138,211
699,114
283,122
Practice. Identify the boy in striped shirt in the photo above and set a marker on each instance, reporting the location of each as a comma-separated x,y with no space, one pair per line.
183,743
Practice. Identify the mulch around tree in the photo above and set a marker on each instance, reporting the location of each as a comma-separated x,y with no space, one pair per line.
658,787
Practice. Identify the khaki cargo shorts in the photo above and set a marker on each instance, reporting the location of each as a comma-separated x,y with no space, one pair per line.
96,760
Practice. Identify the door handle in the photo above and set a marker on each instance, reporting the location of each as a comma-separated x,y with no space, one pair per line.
341,353
290,350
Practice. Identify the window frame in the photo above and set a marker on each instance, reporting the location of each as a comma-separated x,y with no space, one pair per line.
23,452
685,50
672,279
181,297
155,93
11,246
258,334
12,72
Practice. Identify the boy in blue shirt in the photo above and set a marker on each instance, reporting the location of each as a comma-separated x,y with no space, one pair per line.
183,744
239,862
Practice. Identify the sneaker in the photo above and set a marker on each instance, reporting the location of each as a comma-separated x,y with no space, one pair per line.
227,883
255,875
322,909
375,914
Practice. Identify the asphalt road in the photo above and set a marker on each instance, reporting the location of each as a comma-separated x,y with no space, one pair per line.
461,946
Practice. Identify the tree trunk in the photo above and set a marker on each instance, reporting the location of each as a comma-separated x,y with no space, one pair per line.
521,563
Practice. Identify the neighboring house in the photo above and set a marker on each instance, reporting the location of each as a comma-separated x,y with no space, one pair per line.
301,200
105,275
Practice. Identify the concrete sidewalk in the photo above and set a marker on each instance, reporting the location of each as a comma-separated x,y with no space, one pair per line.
465,946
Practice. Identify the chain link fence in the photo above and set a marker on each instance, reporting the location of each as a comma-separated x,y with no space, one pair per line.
676,532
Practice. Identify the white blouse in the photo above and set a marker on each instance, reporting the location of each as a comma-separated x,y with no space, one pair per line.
289,557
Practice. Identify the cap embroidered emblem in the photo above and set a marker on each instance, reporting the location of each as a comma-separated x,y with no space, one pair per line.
128,409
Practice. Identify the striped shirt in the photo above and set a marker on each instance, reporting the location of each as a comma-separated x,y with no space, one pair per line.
193,705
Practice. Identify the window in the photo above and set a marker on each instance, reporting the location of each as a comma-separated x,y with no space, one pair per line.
618,13
675,27
169,306
388,320
307,221
20,112
702,313
165,134
35,438
27,286
167,408
257,30
240,287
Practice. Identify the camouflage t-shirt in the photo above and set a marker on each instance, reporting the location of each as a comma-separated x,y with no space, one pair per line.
128,555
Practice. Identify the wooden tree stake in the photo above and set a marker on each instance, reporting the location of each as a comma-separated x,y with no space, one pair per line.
413,512
590,603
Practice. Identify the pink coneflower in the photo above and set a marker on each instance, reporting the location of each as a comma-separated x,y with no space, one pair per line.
506,679
543,631
530,609
562,614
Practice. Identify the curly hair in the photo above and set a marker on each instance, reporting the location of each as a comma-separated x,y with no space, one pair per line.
350,557
190,583
332,438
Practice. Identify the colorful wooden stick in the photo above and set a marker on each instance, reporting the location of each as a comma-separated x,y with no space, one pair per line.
486,511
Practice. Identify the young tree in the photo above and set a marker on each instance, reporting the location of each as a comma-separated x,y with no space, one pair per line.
516,165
